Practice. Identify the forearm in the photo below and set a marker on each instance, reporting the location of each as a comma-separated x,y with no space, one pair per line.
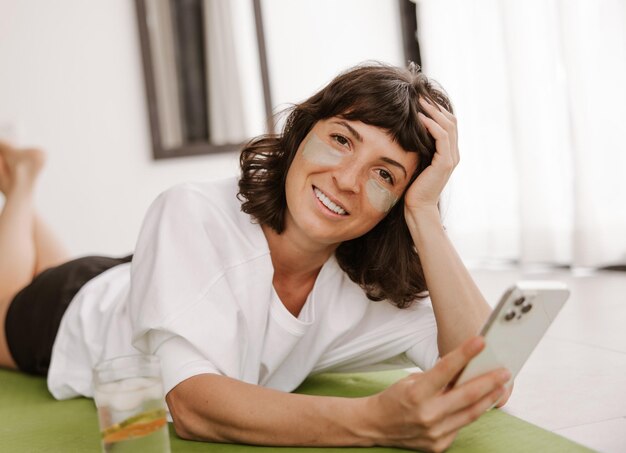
459,306
220,409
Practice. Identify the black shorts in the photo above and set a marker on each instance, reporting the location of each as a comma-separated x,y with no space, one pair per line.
35,313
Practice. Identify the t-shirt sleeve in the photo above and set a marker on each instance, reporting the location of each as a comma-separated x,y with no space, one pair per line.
425,352
180,360
175,265
383,337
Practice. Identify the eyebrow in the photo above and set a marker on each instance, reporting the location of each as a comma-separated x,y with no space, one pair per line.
395,164
351,130
360,139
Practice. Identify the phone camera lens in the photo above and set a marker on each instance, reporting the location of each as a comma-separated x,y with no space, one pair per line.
526,308
519,301
509,315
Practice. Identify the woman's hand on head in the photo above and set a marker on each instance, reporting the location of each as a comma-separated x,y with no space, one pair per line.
427,188
423,412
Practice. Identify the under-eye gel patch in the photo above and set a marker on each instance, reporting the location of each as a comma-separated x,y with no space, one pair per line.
318,152
381,198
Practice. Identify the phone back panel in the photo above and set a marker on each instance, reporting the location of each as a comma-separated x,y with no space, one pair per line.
516,326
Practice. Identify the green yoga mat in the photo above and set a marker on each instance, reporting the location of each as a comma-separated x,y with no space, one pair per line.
32,421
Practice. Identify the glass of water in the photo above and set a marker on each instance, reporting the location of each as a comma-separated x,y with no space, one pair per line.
131,408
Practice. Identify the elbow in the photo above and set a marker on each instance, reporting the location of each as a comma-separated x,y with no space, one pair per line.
182,416
196,415
189,422
182,429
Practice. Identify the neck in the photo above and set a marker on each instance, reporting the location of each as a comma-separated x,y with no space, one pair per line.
293,257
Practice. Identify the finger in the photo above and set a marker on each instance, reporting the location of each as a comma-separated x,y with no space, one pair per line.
447,120
437,113
452,363
474,390
437,101
507,394
448,114
442,142
435,129
431,103
464,417
442,116
443,443
445,144
466,395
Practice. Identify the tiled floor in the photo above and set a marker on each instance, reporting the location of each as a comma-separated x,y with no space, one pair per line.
575,381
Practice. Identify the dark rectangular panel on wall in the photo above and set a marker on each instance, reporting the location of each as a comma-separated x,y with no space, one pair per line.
408,20
190,55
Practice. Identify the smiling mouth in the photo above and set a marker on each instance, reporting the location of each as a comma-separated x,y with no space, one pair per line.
321,196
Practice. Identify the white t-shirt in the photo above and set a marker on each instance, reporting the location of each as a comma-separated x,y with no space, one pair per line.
199,295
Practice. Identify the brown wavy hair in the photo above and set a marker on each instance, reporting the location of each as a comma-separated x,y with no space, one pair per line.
383,261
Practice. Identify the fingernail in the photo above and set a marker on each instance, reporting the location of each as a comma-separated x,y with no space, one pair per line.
505,375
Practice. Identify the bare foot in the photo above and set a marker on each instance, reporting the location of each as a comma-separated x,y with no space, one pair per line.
19,168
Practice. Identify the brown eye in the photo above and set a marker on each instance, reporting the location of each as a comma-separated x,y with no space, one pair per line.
386,176
343,141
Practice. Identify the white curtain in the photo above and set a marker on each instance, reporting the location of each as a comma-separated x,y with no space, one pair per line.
539,88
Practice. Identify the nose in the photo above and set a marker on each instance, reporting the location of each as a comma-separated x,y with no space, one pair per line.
348,176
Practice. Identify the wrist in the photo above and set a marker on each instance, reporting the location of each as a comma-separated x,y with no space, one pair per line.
417,216
368,427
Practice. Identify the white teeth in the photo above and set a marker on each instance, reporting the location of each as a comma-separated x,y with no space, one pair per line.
329,204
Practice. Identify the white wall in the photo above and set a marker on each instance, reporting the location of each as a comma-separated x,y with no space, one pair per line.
71,79
71,83
311,41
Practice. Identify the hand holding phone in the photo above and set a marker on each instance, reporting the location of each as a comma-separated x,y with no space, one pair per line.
516,326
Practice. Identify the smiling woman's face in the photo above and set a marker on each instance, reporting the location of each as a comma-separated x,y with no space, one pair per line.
345,177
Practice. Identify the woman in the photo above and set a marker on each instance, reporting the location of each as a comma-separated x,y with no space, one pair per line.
326,269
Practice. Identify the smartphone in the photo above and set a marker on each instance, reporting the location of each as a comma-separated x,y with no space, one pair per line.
515,327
